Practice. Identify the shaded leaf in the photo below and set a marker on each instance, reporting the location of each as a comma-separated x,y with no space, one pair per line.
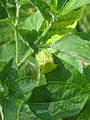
3,12
8,74
21,88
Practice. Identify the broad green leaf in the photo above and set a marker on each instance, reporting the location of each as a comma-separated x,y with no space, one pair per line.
21,88
32,28
63,25
11,109
75,45
33,22
57,100
3,12
8,36
66,72
84,114
8,74
71,60
77,77
7,51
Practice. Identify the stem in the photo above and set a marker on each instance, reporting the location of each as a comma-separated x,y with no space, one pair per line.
17,13
16,32
25,58
44,33
17,46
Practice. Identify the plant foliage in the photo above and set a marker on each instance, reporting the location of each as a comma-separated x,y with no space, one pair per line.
44,73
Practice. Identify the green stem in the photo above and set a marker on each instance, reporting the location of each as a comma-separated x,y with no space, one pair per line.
25,58
17,13
44,33
16,32
17,46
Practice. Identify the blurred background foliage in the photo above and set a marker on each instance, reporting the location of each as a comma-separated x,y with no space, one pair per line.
6,31
84,22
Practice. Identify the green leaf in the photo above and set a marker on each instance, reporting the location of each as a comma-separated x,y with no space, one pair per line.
33,22
58,7
21,88
8,74
11,109
70,5
57,100
66,72
61,73
3,12
77,77
63,25
75,45
71,60
26,113
30,37
7,51
84,115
